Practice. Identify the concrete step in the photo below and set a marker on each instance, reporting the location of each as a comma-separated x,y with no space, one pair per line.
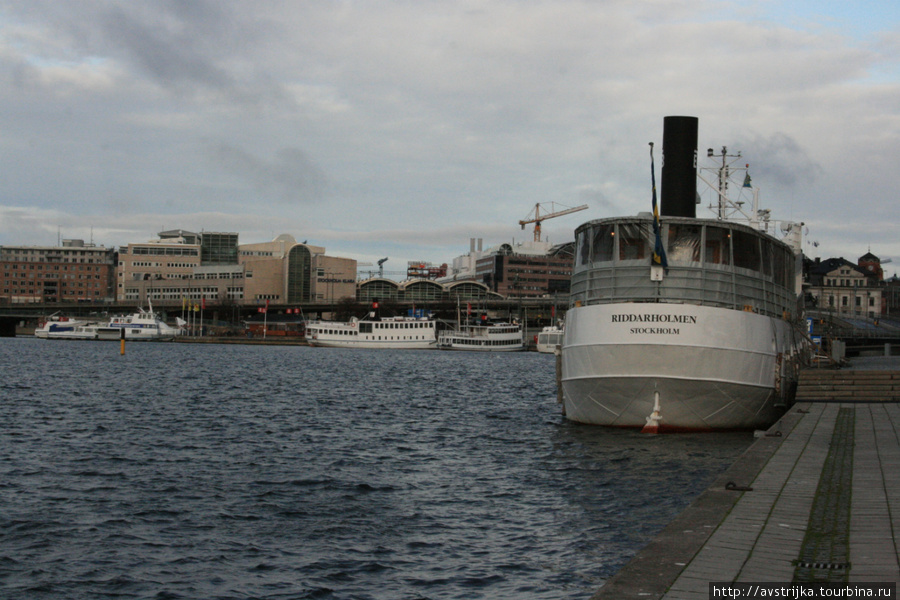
842,385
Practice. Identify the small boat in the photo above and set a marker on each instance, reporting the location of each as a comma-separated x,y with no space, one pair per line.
56,326
80,332
549,338
411,332
487,337
142,325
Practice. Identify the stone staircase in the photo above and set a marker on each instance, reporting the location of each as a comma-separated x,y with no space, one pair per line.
827,385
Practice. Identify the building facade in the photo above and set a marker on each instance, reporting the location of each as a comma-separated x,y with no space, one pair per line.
72,272
524,270
185,268
159,270
852,290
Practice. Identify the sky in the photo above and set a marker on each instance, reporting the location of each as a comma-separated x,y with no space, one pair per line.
402,129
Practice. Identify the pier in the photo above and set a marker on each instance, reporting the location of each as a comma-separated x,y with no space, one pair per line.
815,499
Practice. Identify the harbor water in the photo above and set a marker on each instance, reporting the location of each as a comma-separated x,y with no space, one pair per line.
208,471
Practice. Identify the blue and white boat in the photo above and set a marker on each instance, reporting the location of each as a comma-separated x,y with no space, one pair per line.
143,325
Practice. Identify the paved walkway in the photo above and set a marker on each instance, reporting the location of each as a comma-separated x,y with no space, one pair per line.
824,506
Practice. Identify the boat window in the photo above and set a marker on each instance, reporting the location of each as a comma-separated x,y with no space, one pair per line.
746,250
718,246
602,243
783,269
768,252
583,247
632,241
684,243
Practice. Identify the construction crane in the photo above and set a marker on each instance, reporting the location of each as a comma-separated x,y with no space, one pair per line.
536,216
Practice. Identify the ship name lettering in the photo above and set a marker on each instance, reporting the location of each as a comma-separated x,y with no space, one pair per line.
656,330
654,318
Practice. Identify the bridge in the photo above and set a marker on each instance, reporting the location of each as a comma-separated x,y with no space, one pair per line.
535,311
859,335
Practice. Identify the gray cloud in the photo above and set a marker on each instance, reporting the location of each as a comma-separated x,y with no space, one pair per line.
432,121
291,176
780,159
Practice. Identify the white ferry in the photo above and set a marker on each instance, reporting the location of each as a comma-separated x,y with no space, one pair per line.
489,337
411,332
144,325
708,336
549,338
56,326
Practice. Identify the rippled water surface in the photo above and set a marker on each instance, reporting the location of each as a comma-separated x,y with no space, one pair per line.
231,471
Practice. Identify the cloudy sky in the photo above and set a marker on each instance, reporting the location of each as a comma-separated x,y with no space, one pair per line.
404,128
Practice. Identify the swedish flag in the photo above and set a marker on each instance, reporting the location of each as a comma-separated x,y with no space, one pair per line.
659,250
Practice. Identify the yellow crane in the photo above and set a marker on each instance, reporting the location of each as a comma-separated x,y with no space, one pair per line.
535,216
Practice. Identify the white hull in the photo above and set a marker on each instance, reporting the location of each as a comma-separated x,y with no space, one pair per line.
396,344
712,368
457,346
138,333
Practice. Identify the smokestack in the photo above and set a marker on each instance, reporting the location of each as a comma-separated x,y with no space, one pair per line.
479,244
471,245
678,196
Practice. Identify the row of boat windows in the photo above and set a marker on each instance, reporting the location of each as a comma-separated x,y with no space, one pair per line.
476,342
685,243
355,333
370,327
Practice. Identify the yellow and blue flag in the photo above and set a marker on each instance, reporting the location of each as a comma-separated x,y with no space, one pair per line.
659,250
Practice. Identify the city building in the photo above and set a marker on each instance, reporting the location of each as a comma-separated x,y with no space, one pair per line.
72,272
182,268
852,290
530,269
159,270
289,272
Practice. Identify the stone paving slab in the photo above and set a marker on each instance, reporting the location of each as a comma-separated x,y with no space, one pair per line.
759,535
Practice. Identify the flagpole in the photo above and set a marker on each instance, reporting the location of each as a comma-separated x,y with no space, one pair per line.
659,251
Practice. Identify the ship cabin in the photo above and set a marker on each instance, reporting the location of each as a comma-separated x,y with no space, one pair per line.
710,263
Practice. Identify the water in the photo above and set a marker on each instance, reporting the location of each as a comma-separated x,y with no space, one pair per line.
220,471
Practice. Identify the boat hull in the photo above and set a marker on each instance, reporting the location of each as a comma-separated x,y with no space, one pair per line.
396,344
700,368
457,346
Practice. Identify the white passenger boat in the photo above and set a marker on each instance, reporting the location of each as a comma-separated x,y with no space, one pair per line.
144,325
79,332
56,326
488,337
549,339
708,336
411,332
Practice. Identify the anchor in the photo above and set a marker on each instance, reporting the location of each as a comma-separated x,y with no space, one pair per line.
653,420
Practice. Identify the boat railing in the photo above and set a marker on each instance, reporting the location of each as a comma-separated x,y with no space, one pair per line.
724,287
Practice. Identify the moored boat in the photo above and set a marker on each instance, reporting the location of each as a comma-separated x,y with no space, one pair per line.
549,339
80,332
143,325
487,337
684,324
416,331
56,326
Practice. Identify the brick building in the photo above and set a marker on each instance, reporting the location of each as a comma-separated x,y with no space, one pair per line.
72,272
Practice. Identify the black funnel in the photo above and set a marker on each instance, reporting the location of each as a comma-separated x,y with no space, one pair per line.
678,196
